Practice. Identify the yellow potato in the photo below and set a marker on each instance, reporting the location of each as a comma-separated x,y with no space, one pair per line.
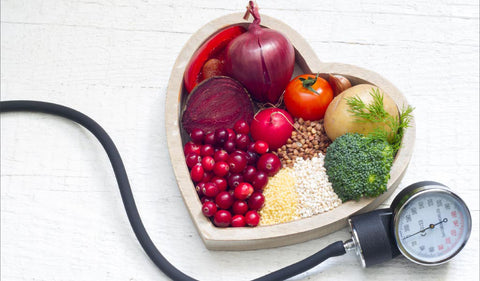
339,121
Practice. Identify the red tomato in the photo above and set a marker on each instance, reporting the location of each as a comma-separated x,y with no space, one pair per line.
308,97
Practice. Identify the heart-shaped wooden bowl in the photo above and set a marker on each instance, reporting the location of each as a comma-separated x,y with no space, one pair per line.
246,238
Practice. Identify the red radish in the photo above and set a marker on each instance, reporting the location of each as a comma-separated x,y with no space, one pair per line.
272,125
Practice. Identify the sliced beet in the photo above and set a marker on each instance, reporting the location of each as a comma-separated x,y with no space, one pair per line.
217,103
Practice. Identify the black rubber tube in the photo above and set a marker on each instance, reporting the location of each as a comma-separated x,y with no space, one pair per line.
332,250
146,242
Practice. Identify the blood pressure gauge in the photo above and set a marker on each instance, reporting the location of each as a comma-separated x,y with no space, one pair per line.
426,222
431,224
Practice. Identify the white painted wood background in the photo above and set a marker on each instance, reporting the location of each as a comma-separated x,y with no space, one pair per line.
61,214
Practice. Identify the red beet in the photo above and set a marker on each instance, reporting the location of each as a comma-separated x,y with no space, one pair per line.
217,103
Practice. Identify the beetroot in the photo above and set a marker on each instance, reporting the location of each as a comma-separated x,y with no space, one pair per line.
217,103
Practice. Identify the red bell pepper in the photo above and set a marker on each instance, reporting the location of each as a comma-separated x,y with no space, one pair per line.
212,48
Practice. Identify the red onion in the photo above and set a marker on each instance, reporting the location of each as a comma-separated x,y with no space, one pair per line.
261,59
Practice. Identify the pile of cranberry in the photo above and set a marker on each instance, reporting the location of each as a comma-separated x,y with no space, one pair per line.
230,171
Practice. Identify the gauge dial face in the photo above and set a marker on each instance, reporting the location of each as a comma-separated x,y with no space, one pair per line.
432,227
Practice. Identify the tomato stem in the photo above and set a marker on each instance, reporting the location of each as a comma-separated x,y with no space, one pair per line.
309,82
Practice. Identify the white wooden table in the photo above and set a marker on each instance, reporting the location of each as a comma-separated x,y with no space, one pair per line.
61,213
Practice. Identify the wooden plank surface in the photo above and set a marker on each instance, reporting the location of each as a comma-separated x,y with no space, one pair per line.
61,214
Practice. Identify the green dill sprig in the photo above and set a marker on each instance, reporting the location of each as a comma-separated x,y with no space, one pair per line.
375,112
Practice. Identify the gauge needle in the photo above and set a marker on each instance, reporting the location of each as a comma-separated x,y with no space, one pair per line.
423,233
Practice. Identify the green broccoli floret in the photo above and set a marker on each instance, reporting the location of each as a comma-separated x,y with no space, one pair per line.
358,166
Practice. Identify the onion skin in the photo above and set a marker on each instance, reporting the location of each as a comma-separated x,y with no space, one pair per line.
261,59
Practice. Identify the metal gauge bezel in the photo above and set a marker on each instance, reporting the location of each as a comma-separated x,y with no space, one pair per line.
412,195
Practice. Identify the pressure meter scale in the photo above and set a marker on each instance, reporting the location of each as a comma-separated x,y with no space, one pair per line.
426,222
431,224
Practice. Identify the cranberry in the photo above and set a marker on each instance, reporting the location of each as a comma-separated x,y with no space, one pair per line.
208,163
220,182
252,218
192,159
243,191
224,200
251,147
242,141
221,168
256,200
220,155
231,135
229,146
206,199
197,173
221,136
241,127
252,157
191,147
269,163
222,218
240,207
260,180
234,180
237,162
199,188
261,147
207,176
207,150
210,189
249,173
209,208
209,138
238,221
197,136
